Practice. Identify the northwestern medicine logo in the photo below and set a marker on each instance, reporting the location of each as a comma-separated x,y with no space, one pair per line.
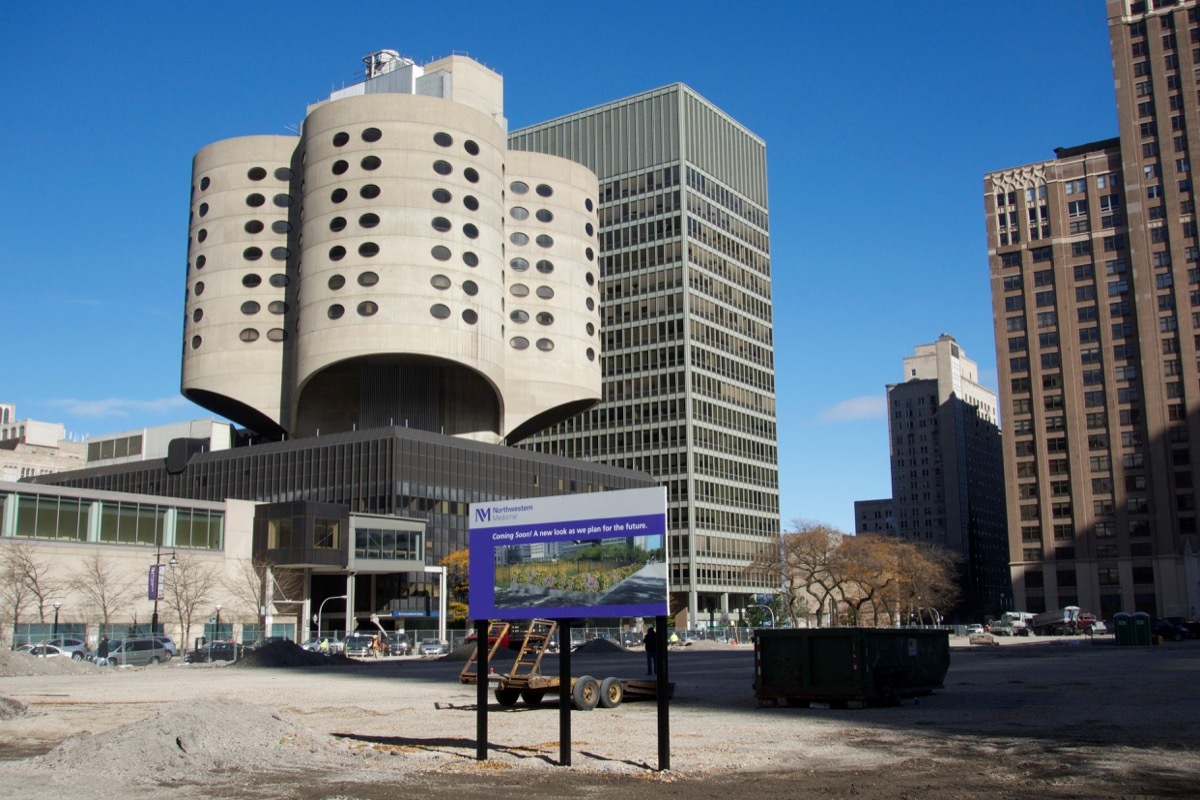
501,513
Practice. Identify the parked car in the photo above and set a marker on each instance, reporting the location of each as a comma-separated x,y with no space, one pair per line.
76,648
397,644
45,651
1167,630
471,638
1001,628
1190,624
269,640
359,644
137,652
215,651
974,629
169,644
333,645
433,647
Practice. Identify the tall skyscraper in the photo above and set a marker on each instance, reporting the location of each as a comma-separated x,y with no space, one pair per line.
947,471
1095,270
688,357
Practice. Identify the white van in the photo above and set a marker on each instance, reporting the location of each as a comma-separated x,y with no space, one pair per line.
137,652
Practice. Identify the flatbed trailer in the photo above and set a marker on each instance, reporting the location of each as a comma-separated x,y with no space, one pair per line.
526,683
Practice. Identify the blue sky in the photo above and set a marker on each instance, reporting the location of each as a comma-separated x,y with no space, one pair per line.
880,119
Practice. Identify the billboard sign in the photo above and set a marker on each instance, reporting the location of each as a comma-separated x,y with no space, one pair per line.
601,554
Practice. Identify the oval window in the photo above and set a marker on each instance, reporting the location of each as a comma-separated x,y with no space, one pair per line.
279,280
255,200
204,209
519,213
443,139
470,231
545,241
277,307
441,224
204,183
544,191
253,226
250,307
545,267
590,255
440,282
471,288
545,292
252,253
281,226
470,316
368,220
591,304
518,187
545,345
251,280
518,290
201,261
197,315
282,200
471,175
367,308
256,173
544,318
470,259
201,235
439,311
340,166
588,229
340,138
520,317
442,167
337,253
277,334
591,329
471,203
545,215
442,196
591,279
441,253
519,343
371,162
195,342
335,311
336,282
591,354
284,174
471,147
248,335
372,135
369,192
199,288
519,264
518,238
280,253
587,203
368,249
338,195
337,224
368,279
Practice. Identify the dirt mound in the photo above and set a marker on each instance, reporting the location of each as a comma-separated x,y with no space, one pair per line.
14,663
707,644
187,739
288,654
599,646
10,708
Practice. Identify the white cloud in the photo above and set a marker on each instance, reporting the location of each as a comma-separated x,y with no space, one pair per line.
119,406
869,407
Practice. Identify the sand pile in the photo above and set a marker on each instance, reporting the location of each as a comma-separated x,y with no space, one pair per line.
14,663
10,708
185,740
288,654
599,646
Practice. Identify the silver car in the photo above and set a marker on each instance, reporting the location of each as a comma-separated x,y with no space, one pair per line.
432,647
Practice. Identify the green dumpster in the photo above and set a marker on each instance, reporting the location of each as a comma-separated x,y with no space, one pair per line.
848,665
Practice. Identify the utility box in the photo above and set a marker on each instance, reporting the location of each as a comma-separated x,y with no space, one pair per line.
848,665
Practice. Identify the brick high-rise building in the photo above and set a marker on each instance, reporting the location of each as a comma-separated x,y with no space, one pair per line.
1095,270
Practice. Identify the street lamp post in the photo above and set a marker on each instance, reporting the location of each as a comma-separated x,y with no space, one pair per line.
217,631
156,584
321,609
57,606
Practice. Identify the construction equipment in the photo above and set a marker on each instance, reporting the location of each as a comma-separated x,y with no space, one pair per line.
524,681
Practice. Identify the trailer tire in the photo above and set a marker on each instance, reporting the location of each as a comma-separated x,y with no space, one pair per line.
507,698
532,697
585,694
612,692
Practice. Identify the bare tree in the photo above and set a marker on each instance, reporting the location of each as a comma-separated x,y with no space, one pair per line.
258,584
105,588
14,594
31,571
189,589
927,584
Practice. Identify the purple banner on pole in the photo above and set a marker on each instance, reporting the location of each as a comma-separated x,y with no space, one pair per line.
154,582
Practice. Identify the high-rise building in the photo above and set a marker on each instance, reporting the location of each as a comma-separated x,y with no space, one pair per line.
688,357
1095,270
29,447
947,470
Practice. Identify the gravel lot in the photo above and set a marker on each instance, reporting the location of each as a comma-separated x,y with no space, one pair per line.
1064,718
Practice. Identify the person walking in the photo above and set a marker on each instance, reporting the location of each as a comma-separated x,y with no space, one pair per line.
650,640
102,652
